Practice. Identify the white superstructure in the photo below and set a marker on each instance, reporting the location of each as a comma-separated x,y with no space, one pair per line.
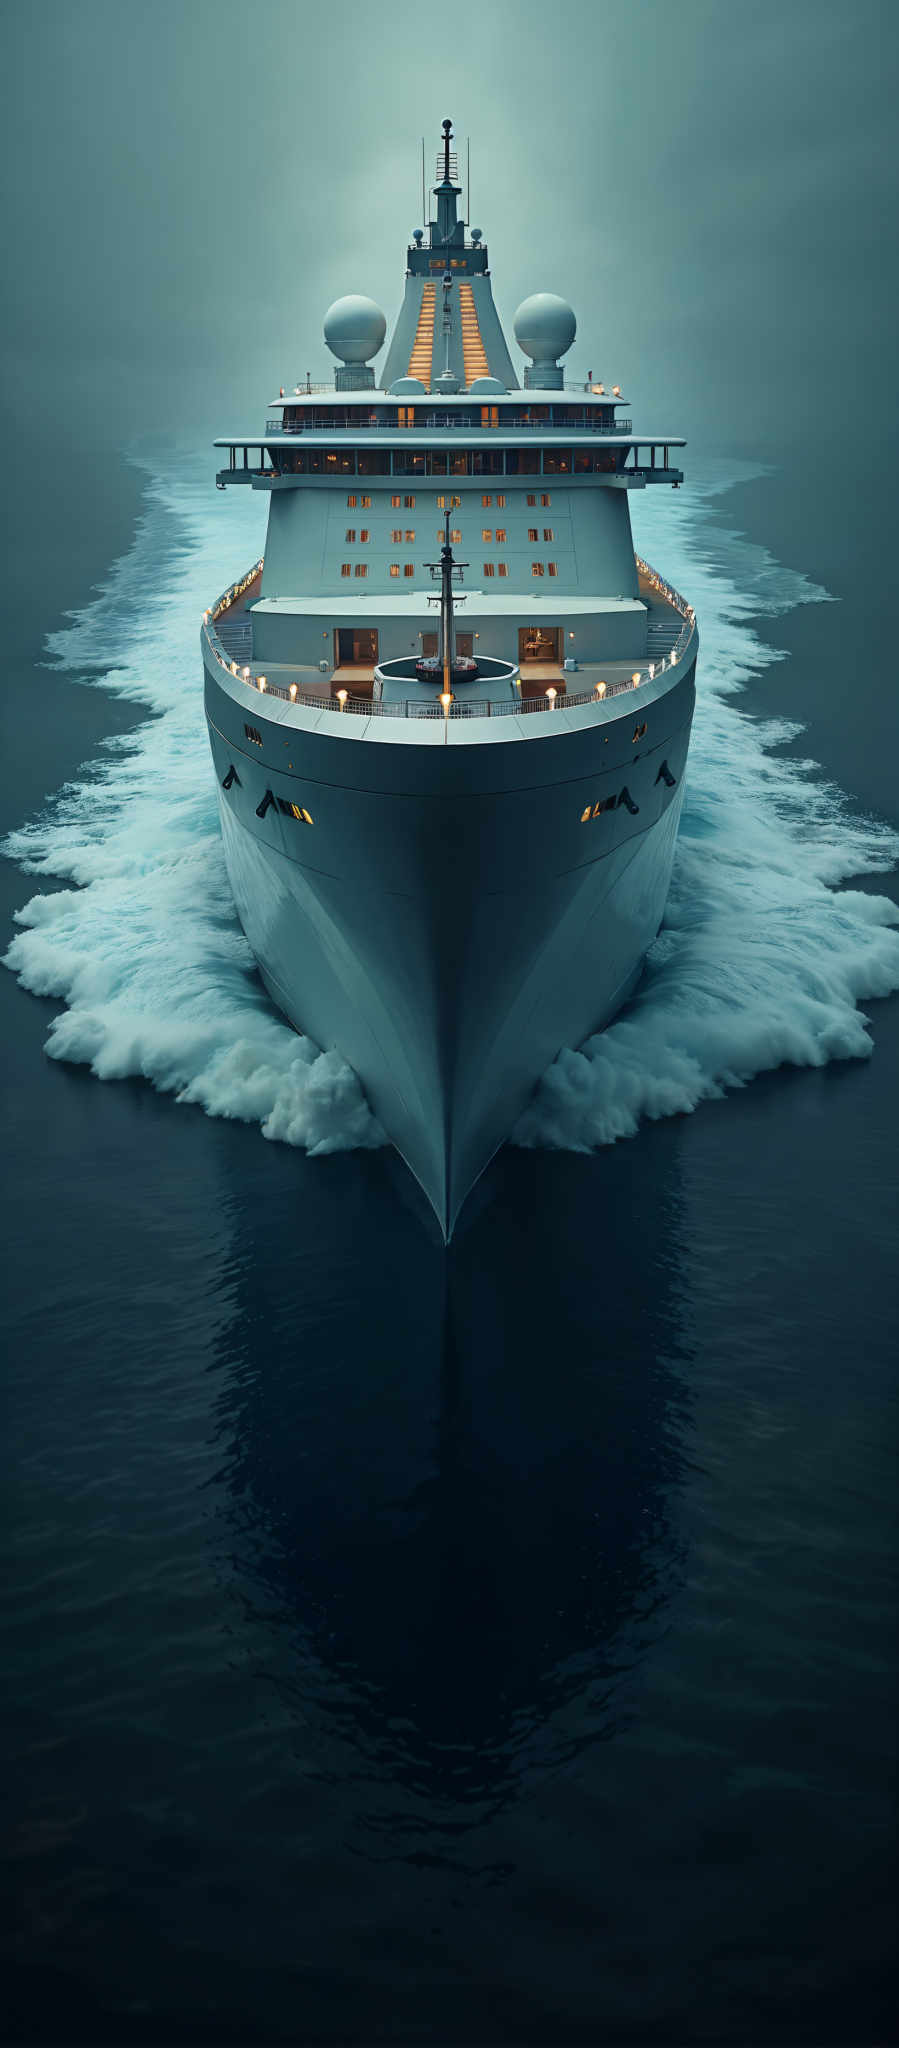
449,826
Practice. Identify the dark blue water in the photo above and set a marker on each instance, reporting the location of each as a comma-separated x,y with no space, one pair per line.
498,1648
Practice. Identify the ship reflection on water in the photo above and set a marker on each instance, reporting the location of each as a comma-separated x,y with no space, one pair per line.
448,1492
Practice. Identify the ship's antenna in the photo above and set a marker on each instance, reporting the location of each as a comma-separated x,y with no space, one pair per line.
424,217
468,177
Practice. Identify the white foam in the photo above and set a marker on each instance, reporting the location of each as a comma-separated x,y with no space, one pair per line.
761,960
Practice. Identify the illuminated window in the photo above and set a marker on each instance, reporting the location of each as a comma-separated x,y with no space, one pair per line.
406,416
501,536
364,533
548,533
532,533
351,533
553,568
365,503
361,569
408,568
501,499
531,498
394,568
345,569
290,810
396,501
545,498
490,415
487,500
253,734
410,536
456,535
489,569
486,533
351,501
536,569
396,535
503,568
409,504
451,502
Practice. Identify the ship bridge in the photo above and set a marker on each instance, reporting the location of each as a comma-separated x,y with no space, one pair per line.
448,335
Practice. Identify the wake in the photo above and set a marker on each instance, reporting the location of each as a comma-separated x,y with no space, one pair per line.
762,960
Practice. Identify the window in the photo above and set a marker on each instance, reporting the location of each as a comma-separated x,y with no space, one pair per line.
408,568
545,498
351,533
405,416
394,568
365,502
548,533
456,536
487,500
490,415
351,501
532,499
410,536
553,568
556,462
532,533
364,533
501,536
253,734
361,569
489,569
536,569
396,535
396,501
290,810
503,568
409,503
501,499
451,502
486,533
345,569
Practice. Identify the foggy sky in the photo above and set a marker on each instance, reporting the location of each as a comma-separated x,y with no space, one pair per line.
712,183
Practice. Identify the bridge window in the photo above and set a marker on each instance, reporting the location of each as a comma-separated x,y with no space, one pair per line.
557,462
490,415
406,416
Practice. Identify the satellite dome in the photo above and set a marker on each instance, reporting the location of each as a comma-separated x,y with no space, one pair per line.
354,328
545,326
408,387
483,385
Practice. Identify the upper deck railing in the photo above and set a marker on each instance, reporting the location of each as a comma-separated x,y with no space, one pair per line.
517,706
366,423
310,390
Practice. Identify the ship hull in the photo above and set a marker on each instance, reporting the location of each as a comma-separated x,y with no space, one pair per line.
452,927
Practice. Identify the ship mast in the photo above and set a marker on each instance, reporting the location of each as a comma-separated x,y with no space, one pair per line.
449,571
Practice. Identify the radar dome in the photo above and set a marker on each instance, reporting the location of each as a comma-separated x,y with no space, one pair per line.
545,326
354,329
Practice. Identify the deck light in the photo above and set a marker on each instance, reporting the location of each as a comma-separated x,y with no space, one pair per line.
446,698
261,682
616,390
341,699
635,678
234,668
552,694
293,693
601,689
246,675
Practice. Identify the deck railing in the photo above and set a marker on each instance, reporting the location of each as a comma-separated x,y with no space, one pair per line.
516,706
583,422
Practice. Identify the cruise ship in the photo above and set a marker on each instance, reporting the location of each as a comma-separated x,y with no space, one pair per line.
449,710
